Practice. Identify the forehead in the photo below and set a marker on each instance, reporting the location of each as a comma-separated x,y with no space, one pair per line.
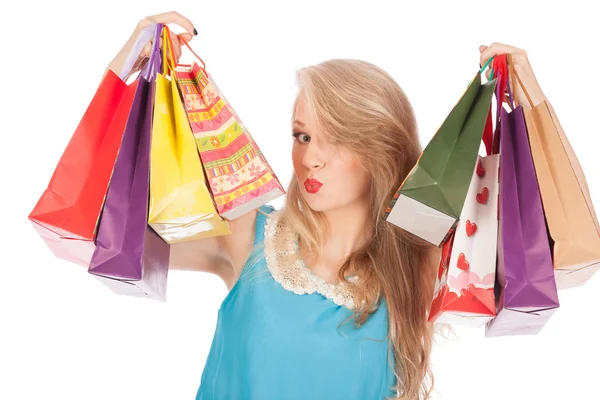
301,117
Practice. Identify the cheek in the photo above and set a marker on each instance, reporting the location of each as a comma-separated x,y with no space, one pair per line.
355,179
297,155
361,178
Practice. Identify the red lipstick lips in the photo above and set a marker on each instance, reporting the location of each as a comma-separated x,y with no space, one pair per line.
312,185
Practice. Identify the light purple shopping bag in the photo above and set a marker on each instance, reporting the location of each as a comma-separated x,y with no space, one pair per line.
130,258
527,294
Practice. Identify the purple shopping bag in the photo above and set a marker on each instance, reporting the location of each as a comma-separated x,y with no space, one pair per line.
526,289
130,258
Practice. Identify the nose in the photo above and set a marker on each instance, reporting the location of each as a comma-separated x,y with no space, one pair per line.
313,157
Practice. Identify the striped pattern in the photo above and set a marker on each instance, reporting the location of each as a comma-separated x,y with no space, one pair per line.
248,190
217,143
230,165
235,167
208,113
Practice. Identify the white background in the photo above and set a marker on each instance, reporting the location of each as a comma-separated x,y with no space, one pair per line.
65,336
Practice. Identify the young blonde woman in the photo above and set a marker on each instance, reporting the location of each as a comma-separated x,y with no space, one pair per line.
327,299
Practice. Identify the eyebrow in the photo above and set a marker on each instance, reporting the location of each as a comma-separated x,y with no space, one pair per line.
298,122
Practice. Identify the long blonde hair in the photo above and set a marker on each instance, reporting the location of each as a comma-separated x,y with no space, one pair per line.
345,95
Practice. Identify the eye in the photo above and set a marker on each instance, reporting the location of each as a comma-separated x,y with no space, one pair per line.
301,137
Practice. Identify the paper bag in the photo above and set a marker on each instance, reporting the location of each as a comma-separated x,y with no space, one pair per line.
67,213
568,208
431,198
240,177
467,296
130,258
527,294
181,207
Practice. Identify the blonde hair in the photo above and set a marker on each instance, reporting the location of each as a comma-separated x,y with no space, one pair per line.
355,96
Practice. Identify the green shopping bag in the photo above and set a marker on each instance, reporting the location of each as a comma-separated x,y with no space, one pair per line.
430,200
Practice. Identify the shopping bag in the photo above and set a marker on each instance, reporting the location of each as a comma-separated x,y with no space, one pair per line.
130,258
464,292
238,173
470,271
570,215
526,290
430,200
67,213
181,207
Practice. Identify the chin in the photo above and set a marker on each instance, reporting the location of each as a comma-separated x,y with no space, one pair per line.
314,202
317,202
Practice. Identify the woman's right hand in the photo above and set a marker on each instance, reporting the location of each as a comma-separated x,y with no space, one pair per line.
171,17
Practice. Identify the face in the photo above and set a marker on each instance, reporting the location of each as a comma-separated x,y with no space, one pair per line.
328,175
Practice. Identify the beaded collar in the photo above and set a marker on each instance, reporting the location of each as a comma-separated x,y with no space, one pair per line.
282,256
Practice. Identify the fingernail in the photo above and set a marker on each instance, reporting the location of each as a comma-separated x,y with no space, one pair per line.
195,32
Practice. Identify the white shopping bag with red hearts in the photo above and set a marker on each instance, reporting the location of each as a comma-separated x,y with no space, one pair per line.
464,290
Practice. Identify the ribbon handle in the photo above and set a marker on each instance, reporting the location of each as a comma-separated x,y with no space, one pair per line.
202,67
488,132
168,61
513,71
144,37
154,63
500,71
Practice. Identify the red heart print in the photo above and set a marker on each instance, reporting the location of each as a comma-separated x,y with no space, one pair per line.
468,295
482,197
480,169
471,228
462,262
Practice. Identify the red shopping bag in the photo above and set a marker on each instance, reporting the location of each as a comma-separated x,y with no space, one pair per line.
67,213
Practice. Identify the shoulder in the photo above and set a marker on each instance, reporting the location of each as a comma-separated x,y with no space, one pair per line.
246,230
272,226
266,210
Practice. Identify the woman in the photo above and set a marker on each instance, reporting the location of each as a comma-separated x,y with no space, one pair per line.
327,299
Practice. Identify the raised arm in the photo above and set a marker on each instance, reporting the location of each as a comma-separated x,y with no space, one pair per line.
223,256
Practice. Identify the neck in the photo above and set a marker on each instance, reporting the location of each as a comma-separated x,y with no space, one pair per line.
348,230
348,227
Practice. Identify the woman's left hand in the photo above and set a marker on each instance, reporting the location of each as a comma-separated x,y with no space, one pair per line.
523,68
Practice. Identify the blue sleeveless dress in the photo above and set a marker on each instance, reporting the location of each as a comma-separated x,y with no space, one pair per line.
275,340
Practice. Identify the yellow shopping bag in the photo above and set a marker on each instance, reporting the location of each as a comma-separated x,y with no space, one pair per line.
181,207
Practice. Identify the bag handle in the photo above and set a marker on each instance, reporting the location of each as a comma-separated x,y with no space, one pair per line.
174,65
486,64
153,66
488,132
168,64
500,72
513,71
203,67
144,37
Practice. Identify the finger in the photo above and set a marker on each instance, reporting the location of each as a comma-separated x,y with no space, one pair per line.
173,17
146,50
184,38
496,49
145,22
